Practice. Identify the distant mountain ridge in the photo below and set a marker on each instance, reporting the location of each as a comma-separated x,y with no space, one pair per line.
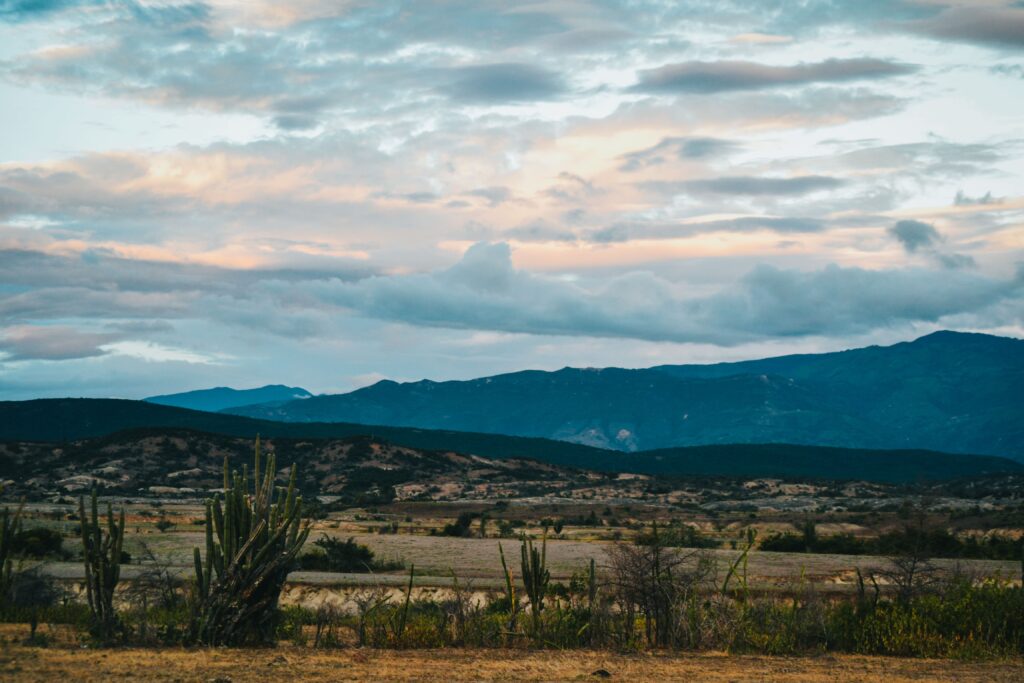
222,398
949,391
55,424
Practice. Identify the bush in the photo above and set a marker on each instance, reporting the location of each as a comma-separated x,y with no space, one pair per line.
38,542
460,528
344,556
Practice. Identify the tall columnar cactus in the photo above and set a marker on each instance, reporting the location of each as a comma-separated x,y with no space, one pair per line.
535,577
591,585
252,540
510,592
101,553
9,526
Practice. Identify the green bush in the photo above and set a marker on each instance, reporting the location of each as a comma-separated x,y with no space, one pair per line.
38,542
334,555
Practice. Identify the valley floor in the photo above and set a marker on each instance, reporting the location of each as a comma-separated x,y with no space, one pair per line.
20,663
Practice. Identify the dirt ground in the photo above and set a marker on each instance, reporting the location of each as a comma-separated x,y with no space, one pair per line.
61,663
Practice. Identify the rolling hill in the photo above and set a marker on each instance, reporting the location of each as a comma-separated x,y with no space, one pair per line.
62,421
162,461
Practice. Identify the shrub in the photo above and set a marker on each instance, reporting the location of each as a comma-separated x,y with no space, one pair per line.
344,556
38,542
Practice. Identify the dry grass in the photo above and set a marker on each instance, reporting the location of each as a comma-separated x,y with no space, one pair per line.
18,663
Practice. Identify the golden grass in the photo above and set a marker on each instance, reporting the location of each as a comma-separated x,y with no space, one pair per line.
290,663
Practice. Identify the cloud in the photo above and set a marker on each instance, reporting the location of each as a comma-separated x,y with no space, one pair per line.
36,286
1010,70
676,148
1001,27
914,235
986,199
725,76
571,188
31,342
495,196
24,10
624,232
502,83
484,291
539,231
748,185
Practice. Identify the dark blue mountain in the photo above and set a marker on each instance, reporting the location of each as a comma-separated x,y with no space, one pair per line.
948,391
221,398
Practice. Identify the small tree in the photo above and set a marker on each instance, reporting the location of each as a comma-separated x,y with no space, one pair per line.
911,570
32,591
656,581
9,527
155,585
484,518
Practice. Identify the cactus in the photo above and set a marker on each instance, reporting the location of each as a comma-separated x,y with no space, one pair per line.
252,540
101,554
510,592
9,526
402,616
591,586
535,577
741,560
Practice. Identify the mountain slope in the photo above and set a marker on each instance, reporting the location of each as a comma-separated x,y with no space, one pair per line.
947,391
221,398
62,422
174,461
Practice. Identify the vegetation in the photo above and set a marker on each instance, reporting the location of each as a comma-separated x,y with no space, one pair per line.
461,527
101,554
652,593
10,524
933,542
252,541
536,578
344,556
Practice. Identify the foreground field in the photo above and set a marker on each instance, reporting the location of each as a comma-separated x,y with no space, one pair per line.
18,663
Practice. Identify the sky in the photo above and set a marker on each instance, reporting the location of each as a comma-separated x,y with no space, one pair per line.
327,193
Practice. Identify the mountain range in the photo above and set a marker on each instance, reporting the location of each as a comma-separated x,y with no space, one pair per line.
948,391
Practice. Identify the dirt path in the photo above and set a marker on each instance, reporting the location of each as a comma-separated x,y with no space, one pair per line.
18,663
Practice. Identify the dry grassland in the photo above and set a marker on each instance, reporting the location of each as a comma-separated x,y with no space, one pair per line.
18,663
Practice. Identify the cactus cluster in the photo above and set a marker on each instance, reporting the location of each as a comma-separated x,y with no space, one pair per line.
535,577
101,554
252,540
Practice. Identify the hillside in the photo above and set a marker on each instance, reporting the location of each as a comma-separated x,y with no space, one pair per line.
59,421
222,398
947,391
182,462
